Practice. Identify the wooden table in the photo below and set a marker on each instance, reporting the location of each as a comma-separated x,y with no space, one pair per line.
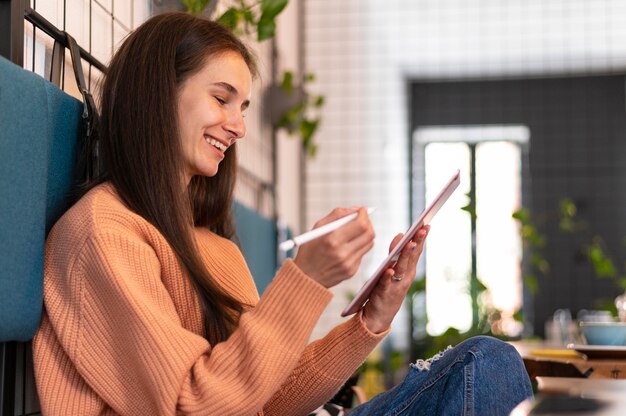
543,359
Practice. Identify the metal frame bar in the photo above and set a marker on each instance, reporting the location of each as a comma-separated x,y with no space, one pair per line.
13,13
12,32
40,22
8,375
56,67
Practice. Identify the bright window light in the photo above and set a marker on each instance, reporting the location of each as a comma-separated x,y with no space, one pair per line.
448,256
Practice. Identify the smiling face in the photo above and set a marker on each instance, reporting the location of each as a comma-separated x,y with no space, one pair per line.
211,105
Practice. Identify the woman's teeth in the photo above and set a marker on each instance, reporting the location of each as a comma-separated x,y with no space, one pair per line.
217,144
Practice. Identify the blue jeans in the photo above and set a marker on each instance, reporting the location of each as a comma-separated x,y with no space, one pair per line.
480,376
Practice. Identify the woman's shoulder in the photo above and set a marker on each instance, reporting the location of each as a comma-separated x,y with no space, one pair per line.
100,210
101,198
210,240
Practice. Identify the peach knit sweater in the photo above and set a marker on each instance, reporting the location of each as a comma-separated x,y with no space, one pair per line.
122,333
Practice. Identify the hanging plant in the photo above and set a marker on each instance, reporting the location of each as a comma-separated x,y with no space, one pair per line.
242,17
195,7
303,118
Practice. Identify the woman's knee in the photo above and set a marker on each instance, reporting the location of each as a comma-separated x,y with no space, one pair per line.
489,345
492,350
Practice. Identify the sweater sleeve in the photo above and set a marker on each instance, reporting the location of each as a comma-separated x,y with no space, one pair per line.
324,367
118,324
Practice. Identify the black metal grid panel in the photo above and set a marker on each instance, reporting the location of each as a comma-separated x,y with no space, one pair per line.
97,25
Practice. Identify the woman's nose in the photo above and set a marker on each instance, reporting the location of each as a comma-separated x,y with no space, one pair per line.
236,125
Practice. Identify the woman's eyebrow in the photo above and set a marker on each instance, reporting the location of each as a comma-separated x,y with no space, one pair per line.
226,86
232,90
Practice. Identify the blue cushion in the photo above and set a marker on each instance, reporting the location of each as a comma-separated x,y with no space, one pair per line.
64,131
37,140
257,240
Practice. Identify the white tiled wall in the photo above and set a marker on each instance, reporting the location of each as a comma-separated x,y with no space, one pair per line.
365,52
97,26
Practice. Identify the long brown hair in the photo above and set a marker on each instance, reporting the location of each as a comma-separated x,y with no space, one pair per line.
140,148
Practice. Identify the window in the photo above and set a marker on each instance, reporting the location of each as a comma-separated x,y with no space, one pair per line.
490,159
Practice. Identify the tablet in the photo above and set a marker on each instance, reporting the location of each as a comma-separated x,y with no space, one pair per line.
427,215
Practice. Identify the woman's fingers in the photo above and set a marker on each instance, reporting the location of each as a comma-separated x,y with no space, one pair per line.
407,262
336,256
402,268
395,241
353,229
388,294
335,214
360,227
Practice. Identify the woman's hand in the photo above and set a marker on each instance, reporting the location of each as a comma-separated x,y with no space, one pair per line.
388,294
337,256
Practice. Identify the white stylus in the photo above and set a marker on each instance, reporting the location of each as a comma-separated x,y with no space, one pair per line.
320,231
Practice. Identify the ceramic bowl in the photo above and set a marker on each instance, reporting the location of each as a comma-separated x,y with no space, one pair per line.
604,333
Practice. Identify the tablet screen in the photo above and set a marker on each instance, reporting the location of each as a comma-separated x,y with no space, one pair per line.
425,217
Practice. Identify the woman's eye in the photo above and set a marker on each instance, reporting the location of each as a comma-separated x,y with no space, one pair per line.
220,100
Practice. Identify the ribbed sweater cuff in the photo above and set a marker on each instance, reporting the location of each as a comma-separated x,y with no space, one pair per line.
351,343
292,282
296,300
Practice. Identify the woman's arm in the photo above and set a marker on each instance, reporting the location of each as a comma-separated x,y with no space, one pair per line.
325,366
116,321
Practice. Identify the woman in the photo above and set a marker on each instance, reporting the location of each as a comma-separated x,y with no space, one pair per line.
151,310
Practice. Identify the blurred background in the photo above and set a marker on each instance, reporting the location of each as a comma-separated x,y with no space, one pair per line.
374,103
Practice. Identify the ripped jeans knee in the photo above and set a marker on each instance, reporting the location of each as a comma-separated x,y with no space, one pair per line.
480,376
424,365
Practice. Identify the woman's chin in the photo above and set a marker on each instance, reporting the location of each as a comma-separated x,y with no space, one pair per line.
209,172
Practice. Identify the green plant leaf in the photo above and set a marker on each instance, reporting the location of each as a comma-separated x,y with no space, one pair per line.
195,7
287,122
477,284
606,305
272,8
568,222
230,18
292,118
603,265
266,28
296,120
521,215
312,150
534,238
531,283
540,263
309,77
287,83
307,128
469,208
567,225
568,208
248,16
